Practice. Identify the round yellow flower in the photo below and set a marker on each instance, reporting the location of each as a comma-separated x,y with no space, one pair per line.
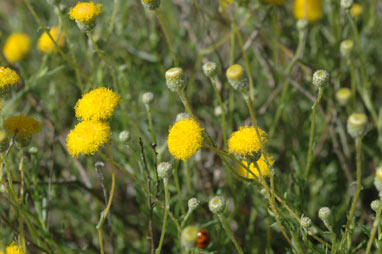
262,166
45,44
356,10
14,249
85,12
184,139
310,10
23,126
16,47
8,77
98,104
245,142
87,137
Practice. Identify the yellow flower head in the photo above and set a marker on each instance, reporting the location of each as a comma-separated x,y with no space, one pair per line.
245,142
45,44
262,166
85,12
310,10
16,47
356,10
184,139
98,104
275,2
23,126
8,77
14,249
87,137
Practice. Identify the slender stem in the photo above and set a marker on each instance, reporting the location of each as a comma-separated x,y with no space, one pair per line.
166,35
167,198
223,121
375,227
297,56
180,198
21,199
358,143
107,209
188,177
312,129
112,20
106,61
150,119
229,233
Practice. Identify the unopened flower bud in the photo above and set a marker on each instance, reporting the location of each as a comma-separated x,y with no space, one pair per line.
306,222
356,10
236,77
324,213
343,96
147,98
124,136
164,170
218,111
217,205
374,205
320,78
151,4
193,203
346,48
189,237
378,180
302,24
346,4
182,116
33,150
357,125
4,141
209,69
175,80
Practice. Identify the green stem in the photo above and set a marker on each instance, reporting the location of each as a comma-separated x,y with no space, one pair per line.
188,177
167,198
312,129
112,20
358,142
151,128
229,233
166,35
177,185
297,56
21,199
374,230
223,121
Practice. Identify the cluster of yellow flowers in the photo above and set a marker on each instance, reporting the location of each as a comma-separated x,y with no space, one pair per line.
13,249
94,108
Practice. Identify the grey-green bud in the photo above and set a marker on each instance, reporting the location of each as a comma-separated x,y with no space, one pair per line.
306,222
209,69
193,203
175,80
147,98
124,136
182,116
343,96
236,77
33,150
302,24
320,78
346,4
324,213
164,170
357,125
217,205
346,48
374,205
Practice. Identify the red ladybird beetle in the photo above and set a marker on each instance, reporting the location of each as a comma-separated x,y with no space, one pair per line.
204,239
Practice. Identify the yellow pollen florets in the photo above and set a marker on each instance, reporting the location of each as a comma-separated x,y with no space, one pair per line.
185,139
14,249
262,166
45,44
16,47
245,142
85,12
310,10
356,10
98,104
87,137
8,77
23,126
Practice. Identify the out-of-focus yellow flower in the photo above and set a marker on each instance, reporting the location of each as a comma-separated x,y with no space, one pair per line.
23,126
16,47
98,104
14,249
85,12
45,44
244,142
185,139
8,78
226,2
262,166
310,10
87,137
356,10
275,2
